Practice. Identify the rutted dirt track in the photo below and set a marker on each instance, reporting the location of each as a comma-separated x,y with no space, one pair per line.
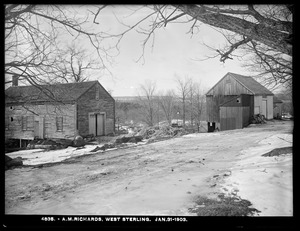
162,178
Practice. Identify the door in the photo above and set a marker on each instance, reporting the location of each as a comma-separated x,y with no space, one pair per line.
264,108
100,124
39,128
96,124
36,128
92,124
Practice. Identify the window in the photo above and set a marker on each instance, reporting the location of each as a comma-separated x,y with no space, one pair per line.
228,88
97,92
59,123
27,123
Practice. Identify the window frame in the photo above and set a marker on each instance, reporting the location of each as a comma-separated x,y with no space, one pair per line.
97,97
26,122
7,120
57,121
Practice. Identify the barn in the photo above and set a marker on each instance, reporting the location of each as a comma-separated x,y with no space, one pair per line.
233,100
58,110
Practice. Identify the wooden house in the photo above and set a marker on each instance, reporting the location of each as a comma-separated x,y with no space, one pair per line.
58,111
233,100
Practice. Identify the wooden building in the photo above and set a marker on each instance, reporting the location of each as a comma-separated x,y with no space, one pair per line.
233,100
58,111
277,111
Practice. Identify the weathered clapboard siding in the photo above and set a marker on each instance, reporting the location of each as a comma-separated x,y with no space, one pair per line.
213,106
89,102
228,86
43,115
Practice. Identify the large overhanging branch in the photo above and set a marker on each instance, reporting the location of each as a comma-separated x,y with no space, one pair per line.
225,55
276,39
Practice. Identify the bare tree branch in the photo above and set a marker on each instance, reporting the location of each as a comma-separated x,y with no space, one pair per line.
225,55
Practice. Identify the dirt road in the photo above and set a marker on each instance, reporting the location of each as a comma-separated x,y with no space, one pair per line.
162,178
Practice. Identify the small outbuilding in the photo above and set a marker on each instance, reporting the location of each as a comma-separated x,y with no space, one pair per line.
58,110
233,100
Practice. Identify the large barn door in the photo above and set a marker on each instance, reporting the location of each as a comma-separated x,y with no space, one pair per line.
231,118
92,124
96,124
100,124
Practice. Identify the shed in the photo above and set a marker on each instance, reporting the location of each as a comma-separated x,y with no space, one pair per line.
234,99
58,110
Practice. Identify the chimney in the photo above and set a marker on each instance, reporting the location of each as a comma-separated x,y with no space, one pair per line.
15,79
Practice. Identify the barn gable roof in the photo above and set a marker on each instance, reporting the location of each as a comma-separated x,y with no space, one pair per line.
251,84
248,82
60,92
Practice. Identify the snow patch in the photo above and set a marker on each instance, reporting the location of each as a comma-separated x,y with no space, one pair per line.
264,180
41,156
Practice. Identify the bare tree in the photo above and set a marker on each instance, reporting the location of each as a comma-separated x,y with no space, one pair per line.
75,65
273,69
147,99
166,102
33,32
199,103
191,101
183,87
34,40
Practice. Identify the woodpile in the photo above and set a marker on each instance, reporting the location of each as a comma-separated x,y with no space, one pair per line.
258,119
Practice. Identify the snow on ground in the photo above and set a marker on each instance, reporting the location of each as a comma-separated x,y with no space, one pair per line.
42,156
263,180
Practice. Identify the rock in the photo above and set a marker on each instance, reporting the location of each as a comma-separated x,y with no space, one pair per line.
108,145
78,142
14,162
7,158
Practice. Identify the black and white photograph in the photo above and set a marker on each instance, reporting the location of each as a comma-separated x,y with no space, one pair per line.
148,114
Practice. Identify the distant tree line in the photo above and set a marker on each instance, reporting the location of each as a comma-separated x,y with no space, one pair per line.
152,107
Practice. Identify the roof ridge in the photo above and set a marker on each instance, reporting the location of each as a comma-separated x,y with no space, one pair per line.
242,83
62,91
55,84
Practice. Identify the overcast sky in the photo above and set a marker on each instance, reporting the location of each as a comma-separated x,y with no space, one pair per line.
174,53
